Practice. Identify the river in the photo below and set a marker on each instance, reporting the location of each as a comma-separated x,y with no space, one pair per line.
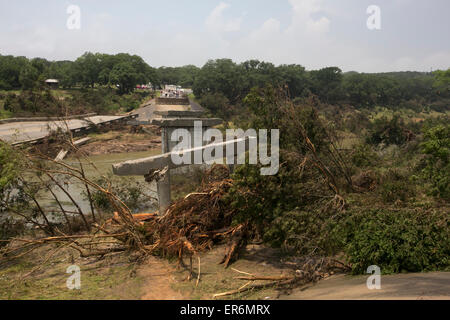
103,167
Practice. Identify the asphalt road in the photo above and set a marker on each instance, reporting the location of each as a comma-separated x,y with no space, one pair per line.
408,286
145,112
195,106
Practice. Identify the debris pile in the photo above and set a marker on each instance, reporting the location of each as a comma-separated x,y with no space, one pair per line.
198,221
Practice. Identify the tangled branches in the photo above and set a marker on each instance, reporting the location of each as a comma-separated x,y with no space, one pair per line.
306,271
198,221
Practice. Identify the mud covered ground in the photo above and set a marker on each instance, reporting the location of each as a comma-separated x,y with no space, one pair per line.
122,141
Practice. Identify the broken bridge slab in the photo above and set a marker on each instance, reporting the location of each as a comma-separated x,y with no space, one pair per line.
143,166
186,122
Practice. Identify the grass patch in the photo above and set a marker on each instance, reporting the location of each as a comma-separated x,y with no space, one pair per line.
106,279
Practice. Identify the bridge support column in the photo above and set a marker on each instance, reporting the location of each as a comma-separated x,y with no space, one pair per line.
164,195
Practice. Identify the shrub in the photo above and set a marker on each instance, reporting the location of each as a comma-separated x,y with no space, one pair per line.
396,241
388,131
300,185
363,156
305,232
217,104
9,229
265,201
436,146
131,193
34,103
104,101
396,186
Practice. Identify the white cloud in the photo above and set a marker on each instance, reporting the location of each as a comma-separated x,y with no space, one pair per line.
217,22
304,36
269,29
304,40
303,20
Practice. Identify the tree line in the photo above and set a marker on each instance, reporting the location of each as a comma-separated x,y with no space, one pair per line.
122,70
233,82
228,81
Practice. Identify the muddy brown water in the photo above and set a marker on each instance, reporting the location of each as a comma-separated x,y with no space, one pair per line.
103,167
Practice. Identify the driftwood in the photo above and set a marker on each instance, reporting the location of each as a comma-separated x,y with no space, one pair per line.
312,270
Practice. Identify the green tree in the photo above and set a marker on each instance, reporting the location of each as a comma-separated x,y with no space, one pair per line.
294,76
221,75
28,77
442,80
64,71
87,69
326,83
125,76
10,68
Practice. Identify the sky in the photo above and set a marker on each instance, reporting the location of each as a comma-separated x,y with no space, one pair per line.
412,34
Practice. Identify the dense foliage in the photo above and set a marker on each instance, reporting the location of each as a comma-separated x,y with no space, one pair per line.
396,240
122,70
385,222
234,81
45,103
410,90
437,148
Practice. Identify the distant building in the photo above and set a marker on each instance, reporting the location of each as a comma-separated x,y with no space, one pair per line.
170,87
52,83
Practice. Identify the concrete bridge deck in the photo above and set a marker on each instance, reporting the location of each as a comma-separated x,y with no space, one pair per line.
145,114
32,131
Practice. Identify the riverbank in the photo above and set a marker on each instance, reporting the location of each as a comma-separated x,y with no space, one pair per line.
123,141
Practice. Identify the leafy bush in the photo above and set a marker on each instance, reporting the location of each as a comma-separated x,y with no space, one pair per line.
299,186
305,232
9,165
130,193
34,103
217,104
104,101
396,241
363,156
396,186
266,201
9,229
436,146
388,131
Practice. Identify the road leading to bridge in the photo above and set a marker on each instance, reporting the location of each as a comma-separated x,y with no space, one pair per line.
146,112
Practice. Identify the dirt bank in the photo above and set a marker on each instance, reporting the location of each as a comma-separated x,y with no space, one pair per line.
123,141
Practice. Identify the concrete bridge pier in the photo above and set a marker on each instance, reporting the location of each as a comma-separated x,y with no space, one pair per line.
163,186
